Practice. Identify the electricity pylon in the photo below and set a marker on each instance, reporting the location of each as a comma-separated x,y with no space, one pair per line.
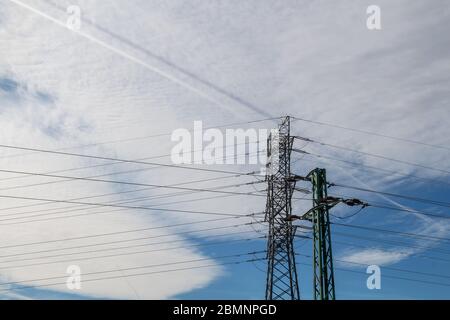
318,215
282,280
323,278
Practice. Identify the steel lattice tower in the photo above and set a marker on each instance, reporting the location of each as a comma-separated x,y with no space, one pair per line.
282,282
323,282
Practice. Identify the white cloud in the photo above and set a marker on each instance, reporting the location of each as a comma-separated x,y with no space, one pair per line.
372,256
312,59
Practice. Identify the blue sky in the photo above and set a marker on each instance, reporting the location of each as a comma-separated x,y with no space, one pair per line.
349,285
137,70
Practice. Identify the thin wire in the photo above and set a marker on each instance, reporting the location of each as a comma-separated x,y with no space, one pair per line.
387,276
113,159
146,137
356,164
130,253
407,197
371,204
132,268
138,245
118,202
428,214
406,253
349,216
69,179
409,234
387,268
82,215
372,133
132,239
120,206
136,275
117,232
395,243
92,179
126,191
377,156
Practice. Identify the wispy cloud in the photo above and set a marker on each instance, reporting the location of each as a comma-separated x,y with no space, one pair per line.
372,256
311,58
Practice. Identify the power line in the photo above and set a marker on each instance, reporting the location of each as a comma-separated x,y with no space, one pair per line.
69,179
377,240
156,135
394,243
119,206
388,268
426,237
133,239
141,274
189,268
229,215
406,253
131,253
372,133
409,234
410,211
384,206
407,197
128,246
356,164
117,232
374,155
112,205
126,191
104,181
82,215
201,199
229,193
138,267
388,276
118,202
123,182
352,214
113,159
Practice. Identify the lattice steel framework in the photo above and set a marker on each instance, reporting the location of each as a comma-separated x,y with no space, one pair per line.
282,280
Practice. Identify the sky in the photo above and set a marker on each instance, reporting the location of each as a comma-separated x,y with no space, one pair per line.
135,71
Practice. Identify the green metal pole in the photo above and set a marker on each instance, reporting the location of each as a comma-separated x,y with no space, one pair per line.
322,256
